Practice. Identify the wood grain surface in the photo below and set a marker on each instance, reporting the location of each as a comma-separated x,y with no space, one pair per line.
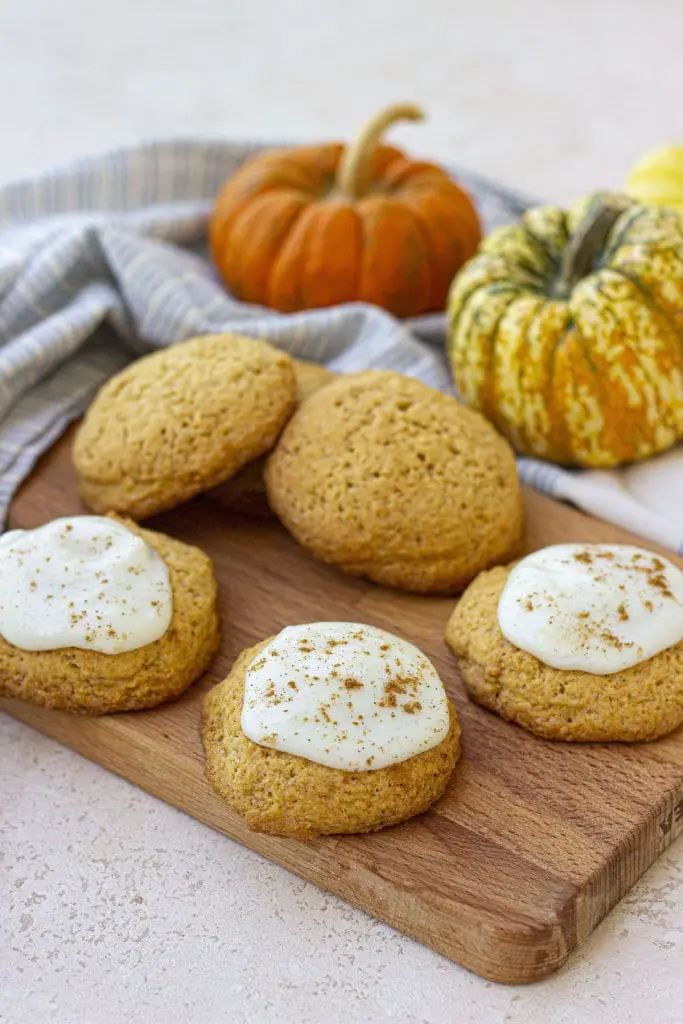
533,842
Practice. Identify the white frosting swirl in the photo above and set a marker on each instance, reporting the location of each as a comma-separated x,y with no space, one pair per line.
344,695
84,582
598,608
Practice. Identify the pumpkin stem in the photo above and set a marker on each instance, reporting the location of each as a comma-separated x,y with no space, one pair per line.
586,242
354,168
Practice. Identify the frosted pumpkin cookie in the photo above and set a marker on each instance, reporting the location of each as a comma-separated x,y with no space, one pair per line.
390,479
576,642
247,489
330,727
180,421
98,615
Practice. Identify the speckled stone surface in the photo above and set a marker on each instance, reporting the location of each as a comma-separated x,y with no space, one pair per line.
114,907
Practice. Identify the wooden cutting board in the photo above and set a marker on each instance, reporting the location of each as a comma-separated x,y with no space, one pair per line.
534,841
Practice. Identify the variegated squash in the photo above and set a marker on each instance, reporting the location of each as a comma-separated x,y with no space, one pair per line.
566,331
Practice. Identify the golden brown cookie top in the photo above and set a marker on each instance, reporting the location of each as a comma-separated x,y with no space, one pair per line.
378,464
181,420
473,630
310,377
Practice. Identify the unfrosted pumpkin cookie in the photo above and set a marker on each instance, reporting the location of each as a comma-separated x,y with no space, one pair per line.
577,642
98,615
390,479
180,421
246,490
330,727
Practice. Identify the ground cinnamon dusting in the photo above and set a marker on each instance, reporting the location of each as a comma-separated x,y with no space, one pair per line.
655,575
352,684
658,581
392,689
398,686
271,695
614,640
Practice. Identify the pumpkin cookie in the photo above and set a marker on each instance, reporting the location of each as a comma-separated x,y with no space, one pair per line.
640,701
246,491
123,625
332,773
180,421
390,479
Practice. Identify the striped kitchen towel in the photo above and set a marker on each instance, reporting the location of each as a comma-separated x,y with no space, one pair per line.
106,259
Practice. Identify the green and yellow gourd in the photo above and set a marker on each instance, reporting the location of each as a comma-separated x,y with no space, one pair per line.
566,331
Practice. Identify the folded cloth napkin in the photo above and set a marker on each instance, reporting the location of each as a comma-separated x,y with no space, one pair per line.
106,259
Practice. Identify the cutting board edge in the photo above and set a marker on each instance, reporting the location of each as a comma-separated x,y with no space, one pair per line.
630,859
534,950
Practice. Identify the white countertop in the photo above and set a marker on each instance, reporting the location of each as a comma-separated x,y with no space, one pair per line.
114,907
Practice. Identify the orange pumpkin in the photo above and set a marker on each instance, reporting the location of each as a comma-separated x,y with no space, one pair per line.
320,225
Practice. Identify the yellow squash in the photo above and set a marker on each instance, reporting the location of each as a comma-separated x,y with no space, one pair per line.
566,331
657,178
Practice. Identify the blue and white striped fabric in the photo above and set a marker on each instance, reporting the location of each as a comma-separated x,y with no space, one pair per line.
105,259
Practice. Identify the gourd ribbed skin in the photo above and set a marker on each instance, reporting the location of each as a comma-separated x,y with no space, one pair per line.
283,236
594,379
